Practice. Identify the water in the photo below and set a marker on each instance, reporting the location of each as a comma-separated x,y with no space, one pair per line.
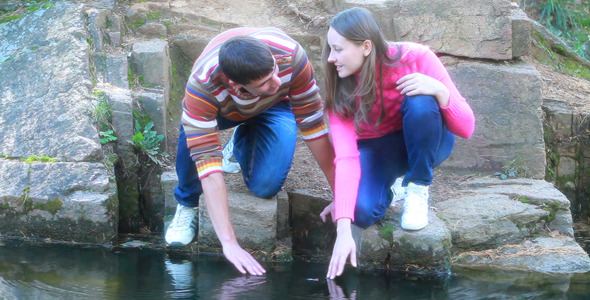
64,272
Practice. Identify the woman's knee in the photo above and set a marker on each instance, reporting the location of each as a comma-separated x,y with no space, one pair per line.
420,108
366,215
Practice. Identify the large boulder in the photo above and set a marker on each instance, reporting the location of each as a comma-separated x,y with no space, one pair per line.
54,182
506,100
475,29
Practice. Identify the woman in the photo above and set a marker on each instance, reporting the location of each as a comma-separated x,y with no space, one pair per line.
394,111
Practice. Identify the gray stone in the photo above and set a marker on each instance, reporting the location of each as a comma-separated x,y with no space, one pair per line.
153,30
169,181
521,33
152,199
97,19
151,61
567,166
190,46
538,192
545,254
283,227
51,97
476,29
114,38
387,245
117,71
254,221
311,237
480,214
73,201
121,104
506,100
154,102
490,220
494,281
559,119
135,17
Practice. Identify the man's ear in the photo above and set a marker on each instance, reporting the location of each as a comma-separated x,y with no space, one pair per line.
367,47
234,84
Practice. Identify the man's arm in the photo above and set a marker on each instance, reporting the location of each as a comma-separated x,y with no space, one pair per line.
323,152
215,193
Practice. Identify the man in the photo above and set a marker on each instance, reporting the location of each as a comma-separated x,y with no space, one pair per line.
262,80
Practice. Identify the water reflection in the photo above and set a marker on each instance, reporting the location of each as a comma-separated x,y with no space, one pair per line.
59,272
182,278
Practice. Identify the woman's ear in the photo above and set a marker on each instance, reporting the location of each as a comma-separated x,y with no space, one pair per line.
367,47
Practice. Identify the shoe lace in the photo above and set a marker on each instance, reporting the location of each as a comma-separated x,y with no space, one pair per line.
416,198
184,217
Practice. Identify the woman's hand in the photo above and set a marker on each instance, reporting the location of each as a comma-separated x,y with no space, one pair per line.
420,84
328,210
343,248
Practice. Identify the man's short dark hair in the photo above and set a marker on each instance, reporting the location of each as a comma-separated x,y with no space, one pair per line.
244,59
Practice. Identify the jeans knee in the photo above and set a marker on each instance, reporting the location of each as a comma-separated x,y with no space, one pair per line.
265,191
420,108
363,222
263,188
365,216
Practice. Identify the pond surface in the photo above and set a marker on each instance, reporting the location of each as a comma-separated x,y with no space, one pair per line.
67,272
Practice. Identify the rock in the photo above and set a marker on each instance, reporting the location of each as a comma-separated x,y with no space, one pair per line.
51,96
546,254
46,115
155,103
254,221
117,71
490,220
475,29
506,100
387,245
151,62
67,201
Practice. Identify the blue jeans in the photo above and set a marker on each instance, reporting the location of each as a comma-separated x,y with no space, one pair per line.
423,144
263,146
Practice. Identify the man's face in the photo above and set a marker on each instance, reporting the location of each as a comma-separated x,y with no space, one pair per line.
267,85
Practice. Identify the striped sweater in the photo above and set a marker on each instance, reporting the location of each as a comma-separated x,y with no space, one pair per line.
208,95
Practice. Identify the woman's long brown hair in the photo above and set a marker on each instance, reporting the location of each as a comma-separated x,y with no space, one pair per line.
357,25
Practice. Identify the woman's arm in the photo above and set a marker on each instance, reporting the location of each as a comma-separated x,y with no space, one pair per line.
433,79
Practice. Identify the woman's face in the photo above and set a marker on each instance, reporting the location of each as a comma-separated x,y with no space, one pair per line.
347,57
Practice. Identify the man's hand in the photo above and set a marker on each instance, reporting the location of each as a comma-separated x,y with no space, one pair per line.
343,248
215,194
242,260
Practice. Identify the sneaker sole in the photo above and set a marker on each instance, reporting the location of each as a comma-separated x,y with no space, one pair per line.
176,245
414,227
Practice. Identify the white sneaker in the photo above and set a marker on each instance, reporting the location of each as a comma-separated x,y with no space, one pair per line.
399,192
181,230
415,215
229,163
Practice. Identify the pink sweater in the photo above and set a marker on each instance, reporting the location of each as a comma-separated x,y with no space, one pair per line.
416,58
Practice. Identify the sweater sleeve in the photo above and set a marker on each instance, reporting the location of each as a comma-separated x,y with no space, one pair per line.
200,126
348,166
458,115
305,98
